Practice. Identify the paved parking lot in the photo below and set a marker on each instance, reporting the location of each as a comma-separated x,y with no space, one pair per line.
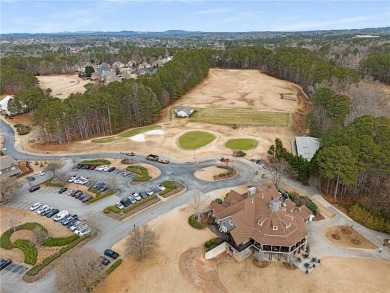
13,271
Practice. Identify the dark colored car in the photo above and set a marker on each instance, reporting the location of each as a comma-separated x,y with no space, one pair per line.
72,222
92,167
80,166
52,212
105,261
126,202
30,178
86,198
34,188
130,154
111,169
5,263
111,253
47,212
143,195
62,190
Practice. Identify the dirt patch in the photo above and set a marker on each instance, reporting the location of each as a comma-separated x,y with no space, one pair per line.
208,173
201,273
352,275
22,234
163,265
220,88
63,85
350,239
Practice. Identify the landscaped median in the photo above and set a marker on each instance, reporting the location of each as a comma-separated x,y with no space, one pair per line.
134,207
99,195
31,249
142,173
97,162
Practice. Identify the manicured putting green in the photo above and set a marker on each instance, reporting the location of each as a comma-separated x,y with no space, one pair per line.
241,144
195,139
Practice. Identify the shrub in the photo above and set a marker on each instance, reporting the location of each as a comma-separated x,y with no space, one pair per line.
36,269
61,241
100,195
97,162
30,252
367,219
302,200
36,163
194,223
111,209
218,200
5,241
169,186
141,202
54,184
142,173
114,266
213,242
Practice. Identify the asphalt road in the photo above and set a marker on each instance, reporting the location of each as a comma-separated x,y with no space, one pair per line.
112,231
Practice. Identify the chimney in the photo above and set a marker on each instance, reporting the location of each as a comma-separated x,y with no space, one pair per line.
251,191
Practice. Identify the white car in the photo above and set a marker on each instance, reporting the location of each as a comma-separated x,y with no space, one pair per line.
75,225
100,168
119,205
35,206
43,209
4,148
80,228
40,173
136,196
72,179
60,216
84,232
161,187
148,191
124,174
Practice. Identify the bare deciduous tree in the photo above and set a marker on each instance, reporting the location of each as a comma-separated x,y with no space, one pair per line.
53,166
13,221
278,170
79,272
142,241
40,234
8,188
198,203
93,219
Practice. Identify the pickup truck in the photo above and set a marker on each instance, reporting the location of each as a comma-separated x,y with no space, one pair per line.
60,216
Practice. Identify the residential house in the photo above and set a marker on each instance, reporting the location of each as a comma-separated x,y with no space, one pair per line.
8,167
184,112
4,106
264,223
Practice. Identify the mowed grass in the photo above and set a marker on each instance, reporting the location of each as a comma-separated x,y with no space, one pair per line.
241,144
240,116
126,134
195,139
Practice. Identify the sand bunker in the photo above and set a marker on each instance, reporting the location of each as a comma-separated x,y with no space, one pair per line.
141,137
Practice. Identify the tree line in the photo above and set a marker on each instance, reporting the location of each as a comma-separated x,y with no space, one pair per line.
109,109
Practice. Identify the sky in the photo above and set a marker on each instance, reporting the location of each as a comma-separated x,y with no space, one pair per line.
34,16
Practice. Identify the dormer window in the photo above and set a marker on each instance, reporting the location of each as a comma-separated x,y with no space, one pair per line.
275,228
288,225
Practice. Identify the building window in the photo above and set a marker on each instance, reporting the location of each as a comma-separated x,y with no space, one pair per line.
288,225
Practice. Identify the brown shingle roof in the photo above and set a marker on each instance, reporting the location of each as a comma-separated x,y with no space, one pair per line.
254,218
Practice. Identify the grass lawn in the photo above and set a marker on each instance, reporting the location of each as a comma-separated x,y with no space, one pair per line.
232,116
126,134
241,144
195,139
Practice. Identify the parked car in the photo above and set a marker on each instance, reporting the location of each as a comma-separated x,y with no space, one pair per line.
143,195
5,263
30,178
132,199
35,206
66,220
75,225
92,167
104,188
86,198
119,205
40,173
80,228
72,222
161,187
71,179
52,212
148,191
42,209
62,190
105,261
130,154
125,173
45,212
111,253
61,215
126,202
136,196
34,188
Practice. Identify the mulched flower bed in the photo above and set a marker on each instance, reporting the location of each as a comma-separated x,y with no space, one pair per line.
336,237
260,264
356,242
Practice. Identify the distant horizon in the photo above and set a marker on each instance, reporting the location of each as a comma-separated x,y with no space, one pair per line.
58,16
200,32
